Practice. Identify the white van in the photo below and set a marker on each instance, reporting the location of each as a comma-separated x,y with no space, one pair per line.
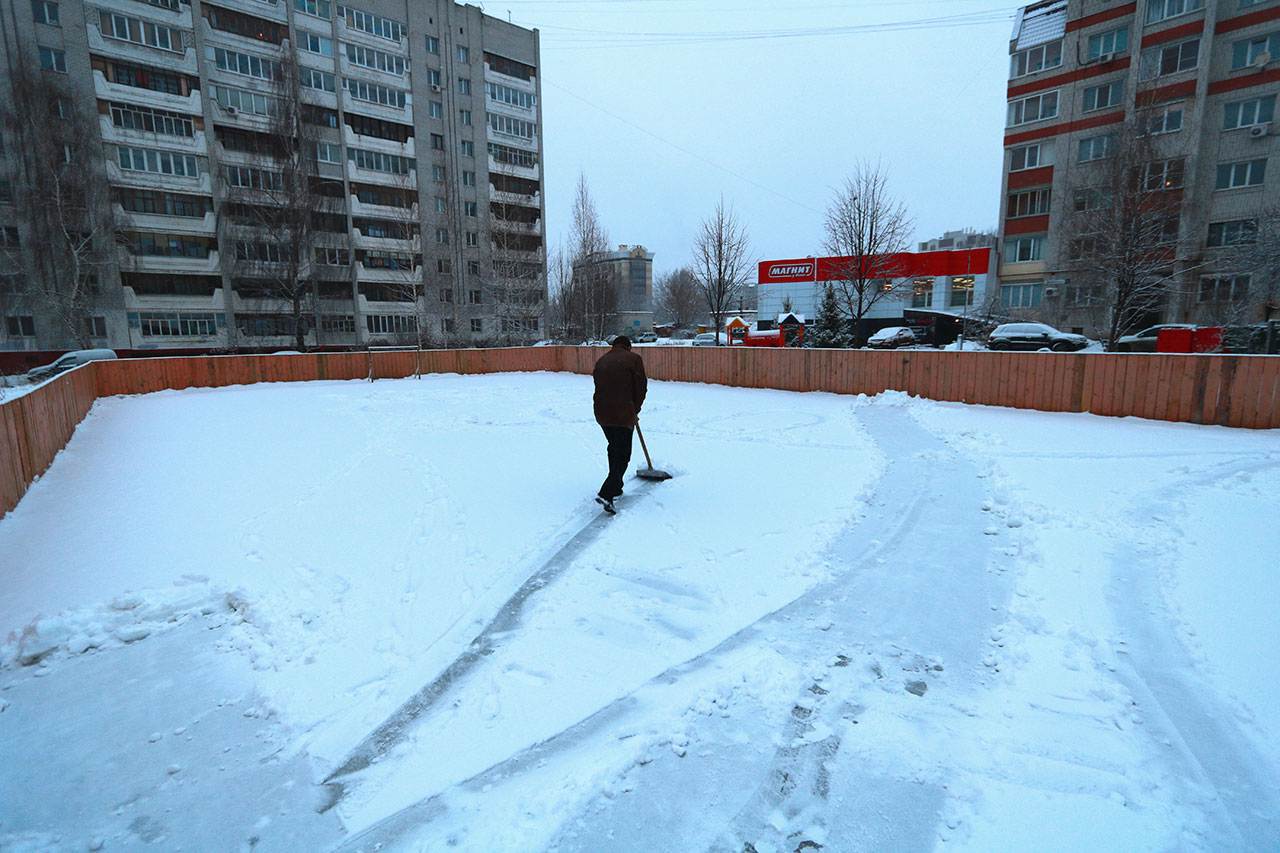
68,360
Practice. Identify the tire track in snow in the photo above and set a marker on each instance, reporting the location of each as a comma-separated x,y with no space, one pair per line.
1243,808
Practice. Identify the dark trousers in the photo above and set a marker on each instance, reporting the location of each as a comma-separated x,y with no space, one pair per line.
619,439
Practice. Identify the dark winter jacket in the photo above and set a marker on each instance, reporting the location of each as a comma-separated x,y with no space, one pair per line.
620,387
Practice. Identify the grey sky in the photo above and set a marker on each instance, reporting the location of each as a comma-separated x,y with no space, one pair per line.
789,113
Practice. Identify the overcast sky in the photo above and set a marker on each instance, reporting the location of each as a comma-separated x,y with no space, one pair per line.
747,102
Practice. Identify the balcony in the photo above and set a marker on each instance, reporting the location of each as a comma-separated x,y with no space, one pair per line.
533,173
377,274
346,33
240,118
274,10
363,72
513,82
397,114
184,62
203,185
195,144
374,143
205,226
499,197
190,103
244,44
178,302
370,176
162,263
382,211
513,227
386,244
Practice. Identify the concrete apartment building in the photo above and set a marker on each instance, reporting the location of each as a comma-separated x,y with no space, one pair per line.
628,272
964,239
425,120
1198,79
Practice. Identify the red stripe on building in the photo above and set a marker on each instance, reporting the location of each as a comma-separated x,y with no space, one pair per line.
1070,77
1164,94
1261,16
1027,225
1173,33
1068,127
1102,17
901,265
1245,81
1031,178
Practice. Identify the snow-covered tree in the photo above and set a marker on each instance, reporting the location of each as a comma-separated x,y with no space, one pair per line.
830,329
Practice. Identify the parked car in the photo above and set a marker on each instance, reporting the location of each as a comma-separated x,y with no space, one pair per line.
892,337
1145,340
708,339
68,360
1034,336
646,338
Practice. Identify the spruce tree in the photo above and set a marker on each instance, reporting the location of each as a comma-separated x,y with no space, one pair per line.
830,328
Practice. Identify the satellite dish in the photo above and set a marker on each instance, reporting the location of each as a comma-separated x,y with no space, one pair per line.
1262,60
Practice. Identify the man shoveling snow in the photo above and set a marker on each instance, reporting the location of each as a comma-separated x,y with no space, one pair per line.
620,386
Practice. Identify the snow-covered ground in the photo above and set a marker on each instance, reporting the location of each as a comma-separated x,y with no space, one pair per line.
343,614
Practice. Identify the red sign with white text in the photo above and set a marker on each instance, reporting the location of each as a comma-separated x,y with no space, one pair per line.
779,272
901,265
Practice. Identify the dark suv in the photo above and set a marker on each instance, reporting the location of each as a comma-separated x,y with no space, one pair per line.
1034,336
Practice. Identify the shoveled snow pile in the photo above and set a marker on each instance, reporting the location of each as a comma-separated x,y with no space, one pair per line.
856,623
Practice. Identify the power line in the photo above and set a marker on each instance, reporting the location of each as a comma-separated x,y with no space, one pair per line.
682,149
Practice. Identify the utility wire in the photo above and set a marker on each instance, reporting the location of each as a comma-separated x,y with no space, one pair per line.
695,155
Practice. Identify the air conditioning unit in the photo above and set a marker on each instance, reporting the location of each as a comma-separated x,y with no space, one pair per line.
1262,60
1260,130
230,110
1051,291
1105,57
435,87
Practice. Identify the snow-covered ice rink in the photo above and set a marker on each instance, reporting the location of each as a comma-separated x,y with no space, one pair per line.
343,615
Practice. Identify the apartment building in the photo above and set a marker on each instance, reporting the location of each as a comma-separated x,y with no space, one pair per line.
967,238
419,133
628,274
1194,82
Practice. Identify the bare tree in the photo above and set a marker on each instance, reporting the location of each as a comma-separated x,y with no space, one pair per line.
867,228
1122,237
277,205
71,236
516,284
677,297
1260,259
720,262
592,299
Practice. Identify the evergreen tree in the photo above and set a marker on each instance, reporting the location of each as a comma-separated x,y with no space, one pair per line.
830,328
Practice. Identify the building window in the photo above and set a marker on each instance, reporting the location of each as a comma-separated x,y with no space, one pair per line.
510,96
473,239
240,100
473,267
249,178
377,161
22,326
1033,108
444,266
338,323
245,64
372,24
1249,112
159,162
1224,288
1169,59
1038,58
1249,51
446,324
464,86
467,147
437,142
316,8
1108,43
441,205
328,152
1162,10
95,327
1090,199
1028,203
1101,97
1167,120
1233,232
464,116
53,60
1095,148
474,297
1081,296
124,28
922,293
961,291
178,325
1019,250
1022,295
372,93
513,156
312,43
378,60
45,12
464,54
1164,174
433,45
477,325
510,126
468,179
1248,173
1031,156
446,295
391,324
470,208
333,256
9,237
433,78
163,122
442,236
437,174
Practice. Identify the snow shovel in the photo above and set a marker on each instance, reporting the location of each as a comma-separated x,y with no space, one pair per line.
649,473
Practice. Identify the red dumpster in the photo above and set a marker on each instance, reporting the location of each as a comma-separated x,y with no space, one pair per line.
1207,339
1174,340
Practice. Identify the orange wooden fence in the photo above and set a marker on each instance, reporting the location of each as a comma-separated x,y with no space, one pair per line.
1237,391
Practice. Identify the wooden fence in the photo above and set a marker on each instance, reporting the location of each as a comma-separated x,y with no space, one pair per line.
1237,391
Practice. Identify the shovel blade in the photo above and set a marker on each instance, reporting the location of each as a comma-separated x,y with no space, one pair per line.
652,474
